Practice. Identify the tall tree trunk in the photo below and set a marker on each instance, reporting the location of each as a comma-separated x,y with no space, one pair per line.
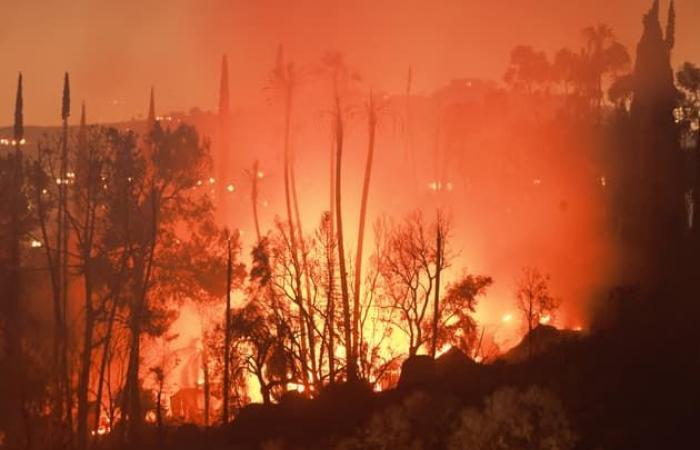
349,355
207,383
13,319
132,397
330,250
104,362
106,353
309,315
86,359
52,261
292,236
254,200
372,126
227,331
438,271
63,218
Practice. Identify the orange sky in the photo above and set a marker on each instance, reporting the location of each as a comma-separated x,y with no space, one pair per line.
116,49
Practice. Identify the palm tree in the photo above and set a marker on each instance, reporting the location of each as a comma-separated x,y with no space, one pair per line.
284,79
372,111
340,76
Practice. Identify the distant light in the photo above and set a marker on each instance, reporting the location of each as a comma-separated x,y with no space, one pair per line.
260,174
536,181
212,180
603,181
44,191
230,188
36,244
199,182
265,203
507,318
448,186
545,319
578,328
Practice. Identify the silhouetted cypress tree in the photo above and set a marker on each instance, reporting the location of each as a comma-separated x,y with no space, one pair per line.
659,216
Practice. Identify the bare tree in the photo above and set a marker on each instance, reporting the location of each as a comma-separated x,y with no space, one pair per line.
534,301
409,266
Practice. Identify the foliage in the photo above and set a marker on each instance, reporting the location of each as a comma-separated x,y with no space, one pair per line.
512,419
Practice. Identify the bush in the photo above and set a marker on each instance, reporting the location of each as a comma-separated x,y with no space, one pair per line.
514,420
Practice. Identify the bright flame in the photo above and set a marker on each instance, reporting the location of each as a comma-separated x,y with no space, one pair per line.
545,319
507,318
296,387
445,348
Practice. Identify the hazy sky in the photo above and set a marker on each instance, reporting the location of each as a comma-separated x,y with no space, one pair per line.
115,49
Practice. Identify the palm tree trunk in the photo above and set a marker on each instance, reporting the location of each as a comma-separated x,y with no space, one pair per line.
292,236
372,126
349,354
227,336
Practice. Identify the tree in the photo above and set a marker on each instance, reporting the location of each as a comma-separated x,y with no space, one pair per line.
262,330
284,80
512,419
15,227
87,220
688,78
659,188
341,76
528,70
160,194
409,264
602,55
456,324
534,301
374,107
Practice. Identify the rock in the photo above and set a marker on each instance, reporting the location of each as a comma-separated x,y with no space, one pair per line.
417,372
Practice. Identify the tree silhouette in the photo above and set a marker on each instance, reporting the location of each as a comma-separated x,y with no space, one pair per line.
534,301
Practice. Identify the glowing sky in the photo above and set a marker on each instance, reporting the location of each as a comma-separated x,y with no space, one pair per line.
115,49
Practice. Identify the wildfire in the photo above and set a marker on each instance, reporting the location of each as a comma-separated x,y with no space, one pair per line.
444,349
